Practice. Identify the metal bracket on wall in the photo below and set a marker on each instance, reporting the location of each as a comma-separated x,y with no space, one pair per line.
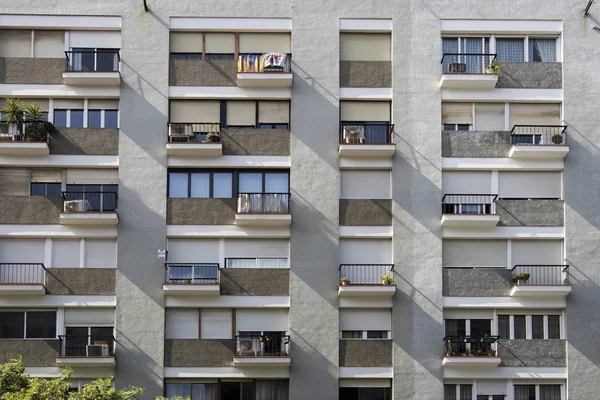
147,9
585,12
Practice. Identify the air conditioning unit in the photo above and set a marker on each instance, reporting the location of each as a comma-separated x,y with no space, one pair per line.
354,134
76,205
96,350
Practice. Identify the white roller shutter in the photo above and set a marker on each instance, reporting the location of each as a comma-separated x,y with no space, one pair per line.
365,251
537,252
95,39
193,250
366,184
468,314
46,175
241,113
68,104
255,248
15,43
22,250
195,111
474,253
365,382
181,324
103,104
534,114
215,324
185,42
365,47
489,117
262,320
100,253
489,387
217,42
49,44
90,316
92,176
65,253
463,182
274,112
365,111
530,185
265,43
365,320
457,113
43,103
14,181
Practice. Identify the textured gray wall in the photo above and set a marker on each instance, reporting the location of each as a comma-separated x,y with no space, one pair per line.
32,70
201,211
35,353
202,73
199,353
357,212
477,282
32,210
375,74
82,141
366,353
475,144
535,75
255,282
256,142
81,281
532,353
532,212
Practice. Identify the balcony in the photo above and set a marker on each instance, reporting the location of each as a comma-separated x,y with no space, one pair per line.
469,71
268,350
18,279
540,281
469,211
371,140
89,208
470,352
194,140
192,279
538,142
92,67
270,70
359,280
86,351
263,209
27,138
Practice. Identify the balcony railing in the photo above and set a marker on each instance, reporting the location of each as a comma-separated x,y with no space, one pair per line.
463,63
484,346
93,60
263,203
86,346
268,345
365,274
28,131
22,274
538,135
469,204
268,62
90,201
195,132
543,274
366,133
199,274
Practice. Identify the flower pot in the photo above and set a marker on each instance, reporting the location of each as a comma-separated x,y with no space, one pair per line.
344,283
188,281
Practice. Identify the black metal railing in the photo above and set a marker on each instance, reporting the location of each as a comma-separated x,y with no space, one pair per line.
543,274
467,63
366,133
28,131
267,62
86,346
196,273
263,203
538,134
93,60
483,346
267,345
469,204
22,274
365,274
200,132
90,201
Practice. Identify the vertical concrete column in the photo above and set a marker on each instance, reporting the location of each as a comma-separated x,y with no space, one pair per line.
142,200
315,184
416,177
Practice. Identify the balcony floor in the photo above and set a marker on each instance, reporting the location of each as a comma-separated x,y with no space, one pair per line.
538,152
540,291
470,220
189,289
89,218
264,79
23,148
263,219
24,289
469,81
276,361
86,361
471,362
93,78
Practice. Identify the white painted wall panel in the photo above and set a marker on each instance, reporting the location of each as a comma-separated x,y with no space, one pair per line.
362,184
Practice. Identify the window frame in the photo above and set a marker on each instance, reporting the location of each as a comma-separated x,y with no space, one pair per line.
529,326
365,335
25,323
492,37
86,117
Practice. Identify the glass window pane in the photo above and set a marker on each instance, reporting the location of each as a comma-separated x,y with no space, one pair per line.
94,117
53,189
41,324
106,60
504,326
178,389
200,188
222,185
204,391
466,392
230,391
481,327
276,183
537,326
449,392
272,390
60,118
111,118
510,50
102,335
519,327
12,325
76,119
250,182
542,50
549,392
455,327
377,334
553,326
524,392
352,334
178,185
38,189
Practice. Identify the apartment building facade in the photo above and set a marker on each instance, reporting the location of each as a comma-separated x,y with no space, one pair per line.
223,191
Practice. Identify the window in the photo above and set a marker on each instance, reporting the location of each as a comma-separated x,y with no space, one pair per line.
456,127
188,56
542,50
103,118
537,326
85,341
553,327
93,59
458,392
99,197
550,392
542,327
519,327
504,326
510,50
45,189
68,118
258,114
490,397
365,393
366,335
27,324
365,324
192,391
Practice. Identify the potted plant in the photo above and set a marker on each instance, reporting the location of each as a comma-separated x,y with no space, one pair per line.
13,113
188,281
213,137
521,278
448,349
36,128
387,280
345,281
493,69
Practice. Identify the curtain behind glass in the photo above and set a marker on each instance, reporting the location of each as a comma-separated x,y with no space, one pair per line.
204,391
475,64
449,45
200,186
524,392
466,392
276,183
510,50
449,392
179,389
542,50
271,390
549,392
250,183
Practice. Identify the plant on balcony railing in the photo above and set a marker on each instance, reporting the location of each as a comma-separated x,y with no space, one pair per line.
263,203
387,280
195,132
366,274
483,346
469,204
267,62
199,274
271,344
366,133
22,274
345,281
553,275
521,278
538,135
24,122
469,63
90,201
